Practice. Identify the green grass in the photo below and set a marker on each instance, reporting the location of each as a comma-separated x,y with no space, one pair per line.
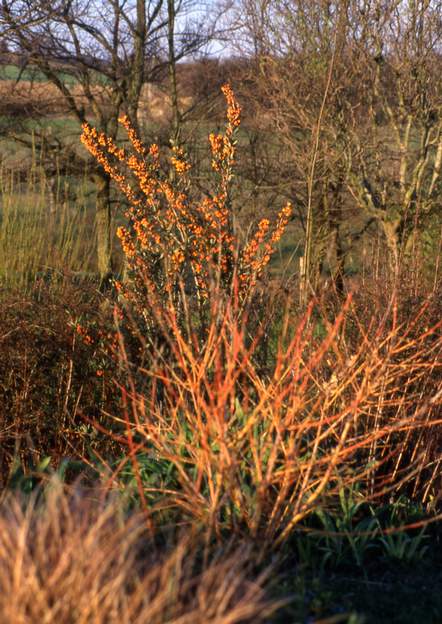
33,74
13,72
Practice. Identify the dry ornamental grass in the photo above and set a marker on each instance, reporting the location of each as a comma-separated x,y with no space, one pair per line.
76,560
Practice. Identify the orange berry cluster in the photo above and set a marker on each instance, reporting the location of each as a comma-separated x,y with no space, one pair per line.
179,161
83,333
170,236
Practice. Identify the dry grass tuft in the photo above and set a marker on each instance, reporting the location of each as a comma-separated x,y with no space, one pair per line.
73,559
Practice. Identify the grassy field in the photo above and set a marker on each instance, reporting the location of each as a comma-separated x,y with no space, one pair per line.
32,74
13,72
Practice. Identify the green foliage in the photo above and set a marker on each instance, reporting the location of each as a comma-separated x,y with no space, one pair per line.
27,481
357,534
404,548
35,479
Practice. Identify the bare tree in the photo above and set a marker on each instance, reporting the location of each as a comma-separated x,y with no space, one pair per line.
353,93
297,49
396,147
98,56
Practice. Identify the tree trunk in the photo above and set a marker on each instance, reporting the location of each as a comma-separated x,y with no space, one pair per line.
390,231
138,68
173,86
103,220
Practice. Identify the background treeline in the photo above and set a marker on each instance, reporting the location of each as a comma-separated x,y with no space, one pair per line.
341,116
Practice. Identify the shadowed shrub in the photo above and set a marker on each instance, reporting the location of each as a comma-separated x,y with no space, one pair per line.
48,377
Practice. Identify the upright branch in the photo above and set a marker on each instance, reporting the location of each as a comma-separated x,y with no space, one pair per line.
171,238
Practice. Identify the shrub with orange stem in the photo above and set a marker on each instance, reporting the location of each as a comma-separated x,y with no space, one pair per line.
254,453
